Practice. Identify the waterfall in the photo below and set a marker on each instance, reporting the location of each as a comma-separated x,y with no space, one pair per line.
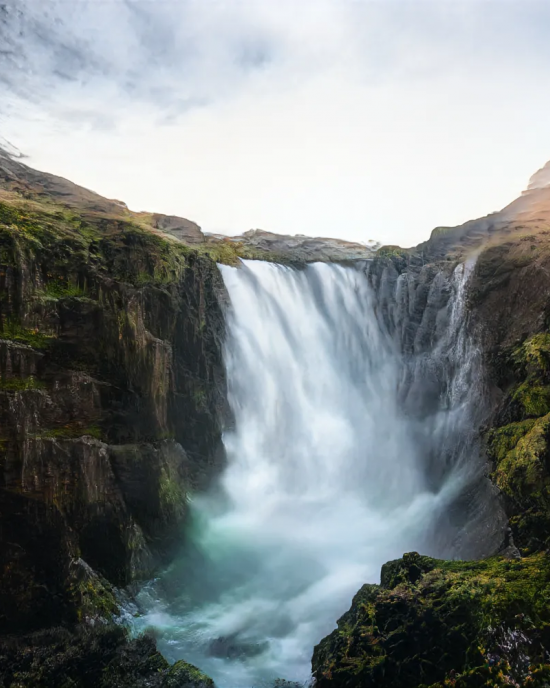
353,442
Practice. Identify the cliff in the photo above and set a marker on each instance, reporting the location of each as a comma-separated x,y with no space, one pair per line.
112,401
484,623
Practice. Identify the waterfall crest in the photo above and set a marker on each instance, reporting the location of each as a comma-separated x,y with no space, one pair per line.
354,440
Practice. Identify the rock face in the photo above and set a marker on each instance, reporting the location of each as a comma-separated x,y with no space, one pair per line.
296,249
98,657
112,399
484,623
184,230
443,623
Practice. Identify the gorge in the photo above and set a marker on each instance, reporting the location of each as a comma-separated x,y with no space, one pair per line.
221,440
349,447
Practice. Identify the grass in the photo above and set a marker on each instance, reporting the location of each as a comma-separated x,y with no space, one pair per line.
13,331
20,384
72,431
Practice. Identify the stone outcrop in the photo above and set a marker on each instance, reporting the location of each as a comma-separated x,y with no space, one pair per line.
112,400
280,248
92,657
443,623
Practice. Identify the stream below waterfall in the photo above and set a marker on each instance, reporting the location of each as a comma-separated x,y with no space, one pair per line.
346,451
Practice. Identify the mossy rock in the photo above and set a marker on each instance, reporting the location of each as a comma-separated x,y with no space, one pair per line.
91,657
534,354
20,384
520,450
92,596
114,334
435,623
391,251
184,675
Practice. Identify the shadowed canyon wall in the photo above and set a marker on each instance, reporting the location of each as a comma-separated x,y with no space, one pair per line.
112,397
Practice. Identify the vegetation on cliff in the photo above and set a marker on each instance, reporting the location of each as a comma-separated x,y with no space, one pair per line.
435,623
518,444
112,398
108,332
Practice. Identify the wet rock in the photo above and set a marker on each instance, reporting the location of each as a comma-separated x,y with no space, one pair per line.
96,657
435,623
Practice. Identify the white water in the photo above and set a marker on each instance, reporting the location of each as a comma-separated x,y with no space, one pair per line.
327,474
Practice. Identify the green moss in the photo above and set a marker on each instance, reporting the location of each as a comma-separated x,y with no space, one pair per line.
521,473
58,290
98,656
520,453
118,248
230,252
534,354
33,337
534,398
225,252
200,398
391,252
502,440
141,258
20,384
183,674
73,431
520,450
165,435
172,494
93,597
435,620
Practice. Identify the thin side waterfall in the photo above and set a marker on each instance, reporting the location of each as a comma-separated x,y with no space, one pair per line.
349,447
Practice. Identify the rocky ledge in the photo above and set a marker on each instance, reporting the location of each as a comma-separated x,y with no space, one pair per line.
280,248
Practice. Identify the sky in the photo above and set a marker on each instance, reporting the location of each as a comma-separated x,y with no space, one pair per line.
355,119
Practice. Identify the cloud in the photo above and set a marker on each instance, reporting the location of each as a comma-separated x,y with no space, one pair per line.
334,117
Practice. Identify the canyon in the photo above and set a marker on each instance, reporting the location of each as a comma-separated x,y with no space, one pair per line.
209,444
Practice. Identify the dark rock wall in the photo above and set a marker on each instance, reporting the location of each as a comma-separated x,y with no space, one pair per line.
112,400
444,392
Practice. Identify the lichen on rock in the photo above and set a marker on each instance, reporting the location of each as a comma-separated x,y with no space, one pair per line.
432,621
102,656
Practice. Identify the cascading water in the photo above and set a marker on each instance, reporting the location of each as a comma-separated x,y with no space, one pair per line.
349,447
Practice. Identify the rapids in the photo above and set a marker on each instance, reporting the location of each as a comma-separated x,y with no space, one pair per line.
353,441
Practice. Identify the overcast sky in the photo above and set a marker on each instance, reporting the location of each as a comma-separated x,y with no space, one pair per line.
349,118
